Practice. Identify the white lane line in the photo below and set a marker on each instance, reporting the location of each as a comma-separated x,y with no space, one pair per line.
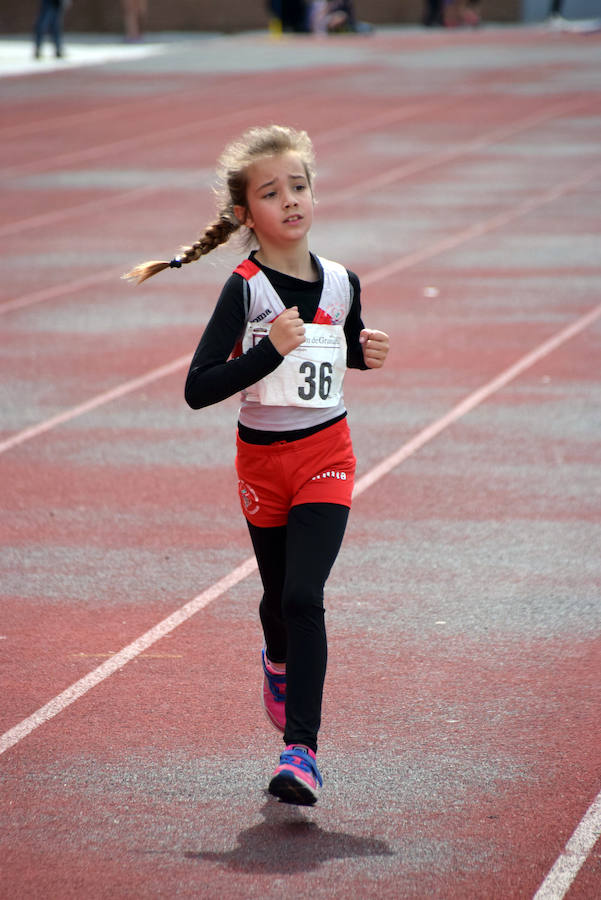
333,134
414,167
477,397
466,148
481,228
42,220
48,123
153,138
59,290
570,861
116,662
477,230
99,400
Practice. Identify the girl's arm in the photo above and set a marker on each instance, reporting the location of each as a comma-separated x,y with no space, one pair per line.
366,347
353,327
213,376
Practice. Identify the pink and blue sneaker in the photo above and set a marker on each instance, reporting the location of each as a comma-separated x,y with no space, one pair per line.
297,778
274,694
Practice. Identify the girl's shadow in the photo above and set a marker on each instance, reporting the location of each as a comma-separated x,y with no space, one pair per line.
286,842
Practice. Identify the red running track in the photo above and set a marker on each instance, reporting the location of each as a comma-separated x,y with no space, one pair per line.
459,176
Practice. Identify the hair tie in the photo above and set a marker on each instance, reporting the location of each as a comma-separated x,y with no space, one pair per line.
176,263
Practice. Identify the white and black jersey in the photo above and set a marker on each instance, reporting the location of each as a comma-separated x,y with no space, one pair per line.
216,374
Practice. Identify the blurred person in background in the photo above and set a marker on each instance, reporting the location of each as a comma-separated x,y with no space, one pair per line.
288,15
330,16
451,13
50,21
433,13
134,15
556,17
461,12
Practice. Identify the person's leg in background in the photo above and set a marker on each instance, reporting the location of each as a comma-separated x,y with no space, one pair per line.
49,20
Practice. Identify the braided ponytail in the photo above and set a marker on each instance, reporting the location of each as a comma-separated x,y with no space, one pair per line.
232,173
218,232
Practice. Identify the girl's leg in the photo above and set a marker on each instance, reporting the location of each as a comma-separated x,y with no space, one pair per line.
314,536
294,563
269,545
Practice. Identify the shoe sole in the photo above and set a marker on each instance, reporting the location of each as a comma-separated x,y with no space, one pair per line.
289,789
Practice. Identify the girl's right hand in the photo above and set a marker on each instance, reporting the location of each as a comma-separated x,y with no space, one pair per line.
287,331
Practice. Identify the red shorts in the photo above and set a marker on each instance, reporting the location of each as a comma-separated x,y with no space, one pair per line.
315,469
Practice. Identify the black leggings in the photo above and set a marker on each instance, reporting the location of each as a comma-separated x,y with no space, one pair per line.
294,563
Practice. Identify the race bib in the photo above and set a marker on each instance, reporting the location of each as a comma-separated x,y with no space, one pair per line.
310,376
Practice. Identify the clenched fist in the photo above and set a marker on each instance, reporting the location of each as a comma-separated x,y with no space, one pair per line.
287,331
375,347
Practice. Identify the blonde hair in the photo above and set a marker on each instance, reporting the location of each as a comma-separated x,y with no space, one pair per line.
232,176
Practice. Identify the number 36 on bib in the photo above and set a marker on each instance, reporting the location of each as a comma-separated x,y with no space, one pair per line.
310,376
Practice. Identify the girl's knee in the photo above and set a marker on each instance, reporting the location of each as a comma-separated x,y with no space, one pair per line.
301,601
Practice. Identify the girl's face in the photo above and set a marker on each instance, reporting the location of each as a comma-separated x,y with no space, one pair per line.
279,200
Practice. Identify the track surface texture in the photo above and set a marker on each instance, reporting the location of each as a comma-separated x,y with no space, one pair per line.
459,175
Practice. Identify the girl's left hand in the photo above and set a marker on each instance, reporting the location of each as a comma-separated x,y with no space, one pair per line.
375,347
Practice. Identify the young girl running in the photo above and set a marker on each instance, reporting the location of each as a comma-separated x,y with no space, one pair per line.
285,327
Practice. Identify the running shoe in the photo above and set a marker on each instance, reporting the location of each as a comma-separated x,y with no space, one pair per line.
273,694
297,778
